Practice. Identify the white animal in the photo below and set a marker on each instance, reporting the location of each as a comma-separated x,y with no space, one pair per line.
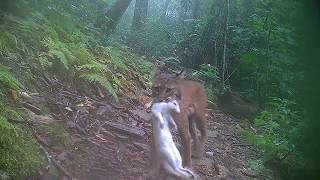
165,151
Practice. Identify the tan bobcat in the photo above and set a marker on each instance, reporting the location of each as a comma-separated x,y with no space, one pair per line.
192,98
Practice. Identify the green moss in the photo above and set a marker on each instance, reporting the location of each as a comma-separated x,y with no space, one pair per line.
20,154
8,80
57,134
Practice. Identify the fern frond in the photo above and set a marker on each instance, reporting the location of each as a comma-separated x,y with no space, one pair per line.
8,79
96,78
117,58
94,66
81,52
61,57
8,42
59,52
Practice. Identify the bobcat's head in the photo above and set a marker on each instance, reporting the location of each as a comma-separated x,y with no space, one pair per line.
165,86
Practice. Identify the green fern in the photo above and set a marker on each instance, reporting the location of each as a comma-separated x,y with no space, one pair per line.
8,79
117,58
59,52
60,56
81,52
96,78
94,66
8,42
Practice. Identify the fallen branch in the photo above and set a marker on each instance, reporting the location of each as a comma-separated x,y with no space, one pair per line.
32,108
241,144
62,169
99,145
136,132
249,173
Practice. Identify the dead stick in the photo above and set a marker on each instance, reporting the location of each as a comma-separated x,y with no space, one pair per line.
32,108
62,169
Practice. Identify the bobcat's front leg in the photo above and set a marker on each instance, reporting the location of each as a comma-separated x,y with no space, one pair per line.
185,138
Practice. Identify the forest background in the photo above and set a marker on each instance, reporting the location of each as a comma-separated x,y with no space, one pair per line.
266,50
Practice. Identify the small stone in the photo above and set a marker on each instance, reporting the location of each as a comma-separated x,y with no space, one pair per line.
70,124
63,156
209,154
250,173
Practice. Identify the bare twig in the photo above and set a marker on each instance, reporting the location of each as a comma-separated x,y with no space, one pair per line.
62,169
32,108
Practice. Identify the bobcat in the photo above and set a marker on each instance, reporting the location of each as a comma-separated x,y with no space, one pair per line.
192,98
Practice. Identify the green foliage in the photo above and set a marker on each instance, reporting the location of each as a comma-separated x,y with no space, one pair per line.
279,134
116,58
59,53
209,75
81,52
268,61
59,136
8,43
94,67
256,165
102,81
8,133
20,155
8,80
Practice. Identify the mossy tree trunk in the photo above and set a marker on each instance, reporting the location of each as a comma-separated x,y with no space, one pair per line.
196,9
114,14
140,15
207,51
164,9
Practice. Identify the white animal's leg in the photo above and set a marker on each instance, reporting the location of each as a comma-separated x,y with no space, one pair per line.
171,169
173,164
161,120
172,122
178,161
191,174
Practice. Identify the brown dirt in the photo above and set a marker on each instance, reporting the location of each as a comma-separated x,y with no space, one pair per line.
113,141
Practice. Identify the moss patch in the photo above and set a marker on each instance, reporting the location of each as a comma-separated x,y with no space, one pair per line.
58,136
20,153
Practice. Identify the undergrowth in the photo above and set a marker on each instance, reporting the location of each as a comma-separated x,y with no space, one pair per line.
279,135
47,39
20,155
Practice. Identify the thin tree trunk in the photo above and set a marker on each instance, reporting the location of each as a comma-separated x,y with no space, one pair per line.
140,15
224,66
215,60
196,9
114,14
165,9
207,52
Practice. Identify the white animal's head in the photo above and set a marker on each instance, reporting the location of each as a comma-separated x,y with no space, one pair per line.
173,105
166,107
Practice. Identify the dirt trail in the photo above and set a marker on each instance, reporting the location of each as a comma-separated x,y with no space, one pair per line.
113,141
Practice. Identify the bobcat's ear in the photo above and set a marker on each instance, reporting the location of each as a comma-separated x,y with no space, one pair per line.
157,68
180,75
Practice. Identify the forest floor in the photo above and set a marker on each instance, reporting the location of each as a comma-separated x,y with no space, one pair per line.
112,141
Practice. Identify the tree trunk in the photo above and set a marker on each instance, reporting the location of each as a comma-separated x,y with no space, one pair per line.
114,14
207,52
165,8
140,15
224,66
196,9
